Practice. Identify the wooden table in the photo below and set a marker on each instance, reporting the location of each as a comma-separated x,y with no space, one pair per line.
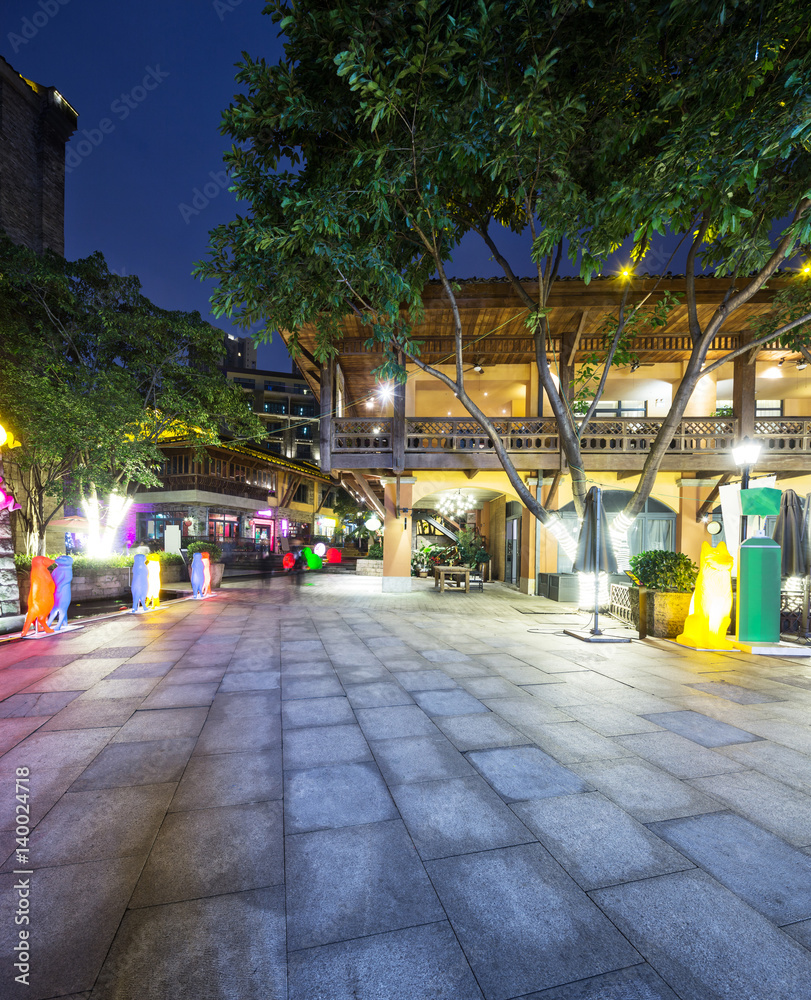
452,574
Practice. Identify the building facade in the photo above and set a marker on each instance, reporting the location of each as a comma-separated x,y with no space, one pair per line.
414,444
35,124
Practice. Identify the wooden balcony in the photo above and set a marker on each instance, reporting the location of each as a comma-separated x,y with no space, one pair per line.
210,484
700,444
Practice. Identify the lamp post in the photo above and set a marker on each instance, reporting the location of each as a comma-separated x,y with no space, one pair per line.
745,456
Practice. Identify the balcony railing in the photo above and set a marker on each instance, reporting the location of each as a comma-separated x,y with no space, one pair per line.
211,484
538,436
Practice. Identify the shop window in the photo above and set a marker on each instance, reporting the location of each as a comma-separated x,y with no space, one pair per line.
618,408
768,409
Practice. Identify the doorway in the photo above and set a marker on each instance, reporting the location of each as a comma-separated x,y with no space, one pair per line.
512,544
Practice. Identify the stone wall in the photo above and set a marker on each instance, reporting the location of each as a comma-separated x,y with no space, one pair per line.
105,582
369,567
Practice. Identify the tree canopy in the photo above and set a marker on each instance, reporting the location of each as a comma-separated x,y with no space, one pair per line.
94,377
391,131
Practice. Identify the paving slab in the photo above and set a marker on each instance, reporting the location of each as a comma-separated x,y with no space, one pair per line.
228,779
98,714
519,773
78,908
526,711
20,706
478,732
417,962
457,702
639,982
419,758
609,721
756,865
337,796
359,880
311,687
679,756
457,816
596,842
425,680
789,766
100,823
379,694
325,745
704,941
735,692
646,792
50,785
389,723
207,852
701,729
166,951
150,762
162,723
47,750
513,909
181,696
767,802
317,712
571,742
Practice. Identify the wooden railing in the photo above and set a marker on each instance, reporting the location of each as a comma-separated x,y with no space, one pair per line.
211,484
622,436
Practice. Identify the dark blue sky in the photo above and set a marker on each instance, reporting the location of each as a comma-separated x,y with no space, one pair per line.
160,72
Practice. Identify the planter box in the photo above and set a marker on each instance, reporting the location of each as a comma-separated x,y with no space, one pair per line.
216,574
111,582
666,612
369,567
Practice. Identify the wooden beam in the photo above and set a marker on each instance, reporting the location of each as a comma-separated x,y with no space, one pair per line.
471,473
367,491
553,490
790,475
291,489
706,507
576,342
628,474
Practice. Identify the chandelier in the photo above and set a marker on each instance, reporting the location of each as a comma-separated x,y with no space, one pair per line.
455,505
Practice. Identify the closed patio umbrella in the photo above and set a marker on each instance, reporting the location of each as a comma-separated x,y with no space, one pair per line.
595,553
788,533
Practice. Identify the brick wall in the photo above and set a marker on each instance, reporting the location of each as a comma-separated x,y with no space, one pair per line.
35,124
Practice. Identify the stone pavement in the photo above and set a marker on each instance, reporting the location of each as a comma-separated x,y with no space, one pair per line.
327,793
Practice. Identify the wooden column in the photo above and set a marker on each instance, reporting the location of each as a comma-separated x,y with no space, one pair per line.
398,427
325,426
743,392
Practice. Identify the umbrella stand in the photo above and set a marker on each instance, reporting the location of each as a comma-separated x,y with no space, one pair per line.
594,634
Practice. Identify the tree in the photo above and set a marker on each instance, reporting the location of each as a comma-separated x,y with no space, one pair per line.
94,378
391,131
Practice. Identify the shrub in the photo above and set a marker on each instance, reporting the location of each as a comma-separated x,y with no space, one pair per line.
23,561
214,550
166,558
375,551
667,571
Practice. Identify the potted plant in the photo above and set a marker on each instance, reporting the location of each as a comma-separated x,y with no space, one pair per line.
215,557
668,579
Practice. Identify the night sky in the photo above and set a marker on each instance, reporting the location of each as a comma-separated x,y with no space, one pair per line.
161,71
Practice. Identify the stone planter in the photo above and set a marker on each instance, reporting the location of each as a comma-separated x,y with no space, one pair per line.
369,567
216,574
666,612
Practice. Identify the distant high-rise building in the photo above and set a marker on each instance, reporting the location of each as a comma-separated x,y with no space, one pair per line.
35,124
239,352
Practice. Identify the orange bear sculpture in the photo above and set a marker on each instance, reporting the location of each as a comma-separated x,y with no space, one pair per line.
40,595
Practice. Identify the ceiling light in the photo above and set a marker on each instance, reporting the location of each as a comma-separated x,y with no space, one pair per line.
802,364
773,372
385,392
369,404
634,365
781,362
485,394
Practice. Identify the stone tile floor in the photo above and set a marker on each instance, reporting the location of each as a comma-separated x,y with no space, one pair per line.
328,793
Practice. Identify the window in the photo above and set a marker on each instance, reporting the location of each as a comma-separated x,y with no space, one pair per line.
302,494
303,410
618,408
276,387
276,406
304,432
304,451
246,383
768,408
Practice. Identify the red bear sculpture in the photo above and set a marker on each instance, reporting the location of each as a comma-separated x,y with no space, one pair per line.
40,595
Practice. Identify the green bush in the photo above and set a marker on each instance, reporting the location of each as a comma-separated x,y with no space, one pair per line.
375,551
214,550
166,558
23,561
667,571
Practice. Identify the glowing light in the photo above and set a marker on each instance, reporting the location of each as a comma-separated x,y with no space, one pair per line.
373,523
289,560
557,529
586,599
320,549
369,404
706,625
333,556
746,453
103,524
773,372
806,268
313,561
3,435
385,392
375,430
455,505
626,272
153,582
618,530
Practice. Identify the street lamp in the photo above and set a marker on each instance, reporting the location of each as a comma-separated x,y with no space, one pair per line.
745,455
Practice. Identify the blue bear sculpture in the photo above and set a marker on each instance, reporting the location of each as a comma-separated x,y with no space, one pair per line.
140,583
62,576
198,575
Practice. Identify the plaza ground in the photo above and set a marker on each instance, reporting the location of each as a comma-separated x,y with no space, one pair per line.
326,793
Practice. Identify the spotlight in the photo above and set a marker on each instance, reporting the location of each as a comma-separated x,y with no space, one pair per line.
634,366
802,364
369,404
781,362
